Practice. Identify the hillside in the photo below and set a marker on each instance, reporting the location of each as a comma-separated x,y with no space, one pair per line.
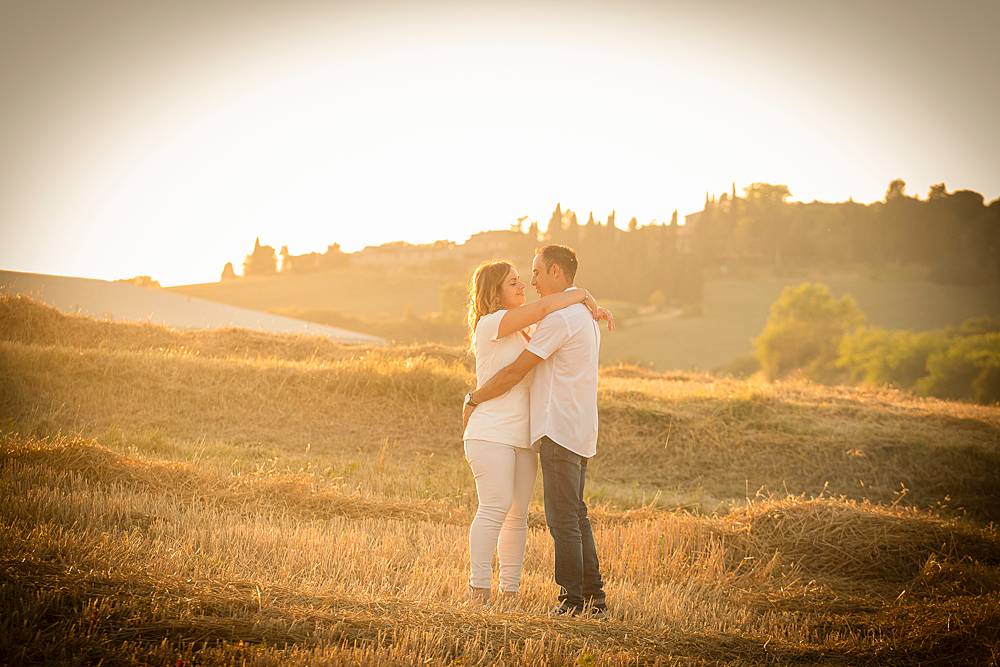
734,311
125,302
367,292
231,497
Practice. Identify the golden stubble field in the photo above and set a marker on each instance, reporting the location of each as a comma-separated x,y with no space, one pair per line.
230,497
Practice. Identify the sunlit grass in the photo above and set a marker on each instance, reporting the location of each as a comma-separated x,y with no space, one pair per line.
257,504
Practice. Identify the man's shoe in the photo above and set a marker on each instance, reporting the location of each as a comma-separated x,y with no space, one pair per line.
566,610
596,612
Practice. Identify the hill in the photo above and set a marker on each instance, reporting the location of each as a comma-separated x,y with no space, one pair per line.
359,291
125,302
230,497
734,311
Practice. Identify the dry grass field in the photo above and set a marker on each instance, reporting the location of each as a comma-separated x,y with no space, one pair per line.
229,497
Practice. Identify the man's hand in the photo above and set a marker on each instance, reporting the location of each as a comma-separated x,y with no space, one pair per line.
507,377
466,413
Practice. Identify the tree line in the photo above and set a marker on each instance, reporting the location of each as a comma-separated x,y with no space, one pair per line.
950,237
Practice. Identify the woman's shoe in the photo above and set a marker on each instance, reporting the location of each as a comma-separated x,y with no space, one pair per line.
478,596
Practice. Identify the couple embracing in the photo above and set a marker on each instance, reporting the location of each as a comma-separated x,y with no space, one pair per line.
536,400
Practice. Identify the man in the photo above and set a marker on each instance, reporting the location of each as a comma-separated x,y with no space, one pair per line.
563,353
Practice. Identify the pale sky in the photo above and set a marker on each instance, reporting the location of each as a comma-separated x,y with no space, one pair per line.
162,138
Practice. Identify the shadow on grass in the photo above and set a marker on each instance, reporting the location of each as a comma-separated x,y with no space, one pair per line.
92,616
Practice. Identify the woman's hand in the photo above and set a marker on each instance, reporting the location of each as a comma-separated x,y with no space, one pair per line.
598,312
607,316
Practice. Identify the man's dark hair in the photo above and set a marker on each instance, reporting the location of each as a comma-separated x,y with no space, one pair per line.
561,255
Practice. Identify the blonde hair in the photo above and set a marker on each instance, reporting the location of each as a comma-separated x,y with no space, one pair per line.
484,291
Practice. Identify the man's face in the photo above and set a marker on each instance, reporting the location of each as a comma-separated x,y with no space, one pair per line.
542,278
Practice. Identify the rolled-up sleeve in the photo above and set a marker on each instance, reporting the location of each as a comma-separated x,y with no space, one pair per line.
552,332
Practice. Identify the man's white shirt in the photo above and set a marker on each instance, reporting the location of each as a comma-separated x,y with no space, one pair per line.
564,386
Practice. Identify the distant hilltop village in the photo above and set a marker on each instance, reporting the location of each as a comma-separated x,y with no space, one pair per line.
515,243
653,261
264,261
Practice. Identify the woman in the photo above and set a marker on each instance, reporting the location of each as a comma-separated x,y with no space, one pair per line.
497,436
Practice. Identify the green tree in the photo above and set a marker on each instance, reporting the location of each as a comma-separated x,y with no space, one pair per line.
804,331
897,190
533,232
767,194
877,356
968,369
554,233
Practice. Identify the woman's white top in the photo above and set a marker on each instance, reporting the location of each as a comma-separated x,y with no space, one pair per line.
503,419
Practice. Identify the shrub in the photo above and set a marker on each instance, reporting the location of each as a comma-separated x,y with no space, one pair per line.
969,368
986,386
877,356
978,325
804,331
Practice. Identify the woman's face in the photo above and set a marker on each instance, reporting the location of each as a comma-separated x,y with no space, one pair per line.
512,291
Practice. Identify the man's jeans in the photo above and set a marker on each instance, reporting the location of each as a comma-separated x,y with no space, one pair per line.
577,569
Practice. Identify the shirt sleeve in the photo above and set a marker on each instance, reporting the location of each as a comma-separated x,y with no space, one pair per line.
488,328
551,334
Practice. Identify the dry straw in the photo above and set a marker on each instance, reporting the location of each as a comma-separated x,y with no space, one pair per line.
234,498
